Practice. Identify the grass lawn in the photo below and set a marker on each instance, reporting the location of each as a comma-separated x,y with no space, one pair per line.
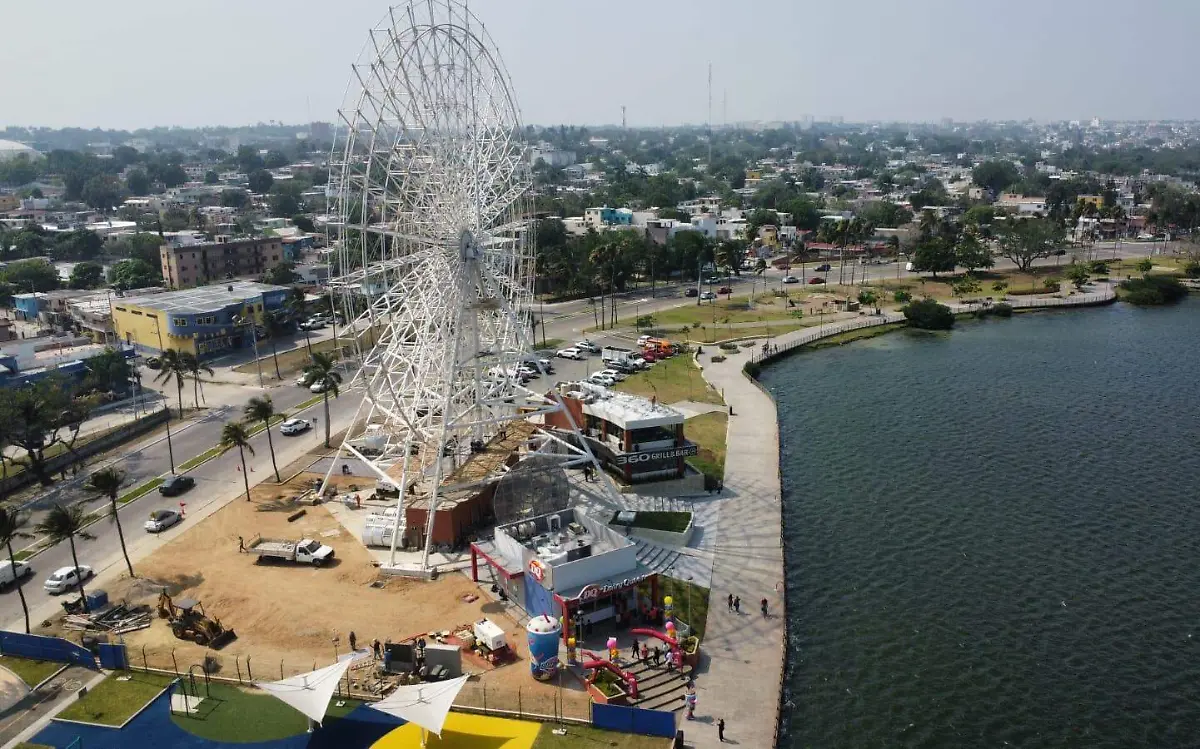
112,701
676,379
708,432
298,358
551,344
31,672
684,594
586,736
27,745
674,522
191,463
233,714
710,334
855,335
140,491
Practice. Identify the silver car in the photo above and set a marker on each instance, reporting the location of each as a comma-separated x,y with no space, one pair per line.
160,520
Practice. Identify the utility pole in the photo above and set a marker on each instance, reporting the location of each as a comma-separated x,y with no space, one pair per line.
622,116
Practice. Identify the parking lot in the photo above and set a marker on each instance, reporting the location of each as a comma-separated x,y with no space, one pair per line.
569,370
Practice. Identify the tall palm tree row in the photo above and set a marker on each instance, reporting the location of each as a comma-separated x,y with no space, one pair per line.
321,371
235,434
263,409
64,523
195,368
11,523
107,483
174,367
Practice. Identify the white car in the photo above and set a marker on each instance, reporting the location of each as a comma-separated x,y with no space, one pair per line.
318,387
791,279
294,426
160,520
304,380
569,353
612,374
599,379
527,372
587,346
708,296
10,575
643,340
67,578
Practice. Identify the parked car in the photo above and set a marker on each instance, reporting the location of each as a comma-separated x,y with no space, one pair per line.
588,346
791,279
10,575
691,292
294,426
569,353
319,387
815,279
613,374
644,339
909,267
153,362
649,357
67,578
599,379
176,485
708,296
526,372
313,323
160,520
304,380
546,366
725,290
824,268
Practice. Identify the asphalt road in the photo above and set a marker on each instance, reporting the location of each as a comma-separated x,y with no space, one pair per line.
148,459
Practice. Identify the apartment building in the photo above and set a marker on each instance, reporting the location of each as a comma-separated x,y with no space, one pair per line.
186,265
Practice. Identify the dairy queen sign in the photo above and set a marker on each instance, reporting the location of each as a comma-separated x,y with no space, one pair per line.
595,590
537,570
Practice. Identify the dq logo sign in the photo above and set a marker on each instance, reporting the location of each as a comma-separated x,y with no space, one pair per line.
537,570
595,590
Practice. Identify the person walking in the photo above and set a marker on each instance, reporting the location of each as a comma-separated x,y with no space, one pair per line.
353,641
376,647
729,602
633,651
721,730
657,656
737,604
764,608
645,653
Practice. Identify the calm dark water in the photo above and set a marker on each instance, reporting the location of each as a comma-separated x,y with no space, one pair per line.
992,534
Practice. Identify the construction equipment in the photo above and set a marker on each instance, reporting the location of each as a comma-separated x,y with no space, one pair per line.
189,622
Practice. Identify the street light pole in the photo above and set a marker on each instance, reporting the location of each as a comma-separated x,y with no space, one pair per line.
254,340
170,447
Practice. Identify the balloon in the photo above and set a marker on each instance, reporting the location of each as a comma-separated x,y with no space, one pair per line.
668,600
670,625
612,643
570,642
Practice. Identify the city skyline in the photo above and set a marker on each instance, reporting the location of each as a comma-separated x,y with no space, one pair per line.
236,64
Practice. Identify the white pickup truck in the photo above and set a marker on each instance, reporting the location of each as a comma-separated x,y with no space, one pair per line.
304,551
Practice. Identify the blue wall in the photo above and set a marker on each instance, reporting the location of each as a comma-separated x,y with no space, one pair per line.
633,720
27,306
538,600
45,649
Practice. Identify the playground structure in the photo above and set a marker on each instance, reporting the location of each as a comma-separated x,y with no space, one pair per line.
686,650
597,664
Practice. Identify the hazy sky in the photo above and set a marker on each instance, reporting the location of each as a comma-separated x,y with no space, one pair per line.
135,63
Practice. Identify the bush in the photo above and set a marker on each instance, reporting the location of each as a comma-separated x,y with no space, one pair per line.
902,297
1192,269
752,369
1002,310
728,346
928,314
1152,290
718,359
1100,266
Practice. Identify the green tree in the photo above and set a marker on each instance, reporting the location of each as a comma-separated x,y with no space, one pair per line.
979,215
902,297
31,275
235,434
134,274
972,253
1024,240
38,417
304,223
102,192
869,298
11,524
995,175
211,178
137,182
283,274
80,244
87,276
928,314
934,255
263,409
1144,266
65,523
260,181
107,483
1000,287
174,367
966,286
108,371
1078,274
732,255
285,199
322,371
275,160
235,198
195,368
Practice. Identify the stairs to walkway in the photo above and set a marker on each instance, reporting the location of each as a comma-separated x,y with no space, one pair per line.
658,688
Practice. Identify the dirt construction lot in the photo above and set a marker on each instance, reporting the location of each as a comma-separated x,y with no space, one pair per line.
286,617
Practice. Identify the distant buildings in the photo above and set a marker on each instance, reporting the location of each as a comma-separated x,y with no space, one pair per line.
186,264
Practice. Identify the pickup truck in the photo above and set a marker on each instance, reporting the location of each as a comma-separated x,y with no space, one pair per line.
304,551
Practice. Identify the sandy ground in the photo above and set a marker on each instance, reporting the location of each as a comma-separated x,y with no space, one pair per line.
287,617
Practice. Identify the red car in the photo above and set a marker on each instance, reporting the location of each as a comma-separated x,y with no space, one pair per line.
814,279
725,290
649,356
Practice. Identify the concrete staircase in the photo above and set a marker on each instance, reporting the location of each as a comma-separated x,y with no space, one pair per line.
658,688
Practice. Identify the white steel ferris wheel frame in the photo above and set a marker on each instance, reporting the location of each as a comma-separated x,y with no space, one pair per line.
430,214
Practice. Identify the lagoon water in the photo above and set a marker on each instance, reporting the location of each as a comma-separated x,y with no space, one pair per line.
993,535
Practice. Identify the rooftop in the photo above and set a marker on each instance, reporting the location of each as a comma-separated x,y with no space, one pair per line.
203,298
623,409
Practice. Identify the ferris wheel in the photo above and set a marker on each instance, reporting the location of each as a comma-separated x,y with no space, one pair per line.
430,214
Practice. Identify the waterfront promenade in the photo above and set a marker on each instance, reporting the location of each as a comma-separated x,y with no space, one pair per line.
746,652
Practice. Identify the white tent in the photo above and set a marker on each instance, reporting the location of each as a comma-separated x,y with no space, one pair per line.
310,693
425,705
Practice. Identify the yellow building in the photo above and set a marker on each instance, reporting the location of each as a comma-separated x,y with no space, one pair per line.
769,234
204,321
9,202
1095,200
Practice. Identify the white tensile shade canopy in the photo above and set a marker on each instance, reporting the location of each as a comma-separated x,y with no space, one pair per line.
426,705
310,693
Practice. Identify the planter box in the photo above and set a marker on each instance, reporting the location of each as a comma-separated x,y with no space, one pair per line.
621,698
660,537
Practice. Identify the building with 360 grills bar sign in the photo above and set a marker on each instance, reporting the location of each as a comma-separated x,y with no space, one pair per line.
633,437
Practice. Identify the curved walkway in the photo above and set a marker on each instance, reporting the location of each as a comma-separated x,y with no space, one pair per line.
746,652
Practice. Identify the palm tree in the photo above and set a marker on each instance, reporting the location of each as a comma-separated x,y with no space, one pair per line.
173,366
321,371
64,523
11,522
296,305
194,368
107,483
235,434
262,409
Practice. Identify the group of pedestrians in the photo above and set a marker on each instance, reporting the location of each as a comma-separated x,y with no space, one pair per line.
734,604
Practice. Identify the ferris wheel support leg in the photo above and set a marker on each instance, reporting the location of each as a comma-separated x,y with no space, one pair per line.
400,499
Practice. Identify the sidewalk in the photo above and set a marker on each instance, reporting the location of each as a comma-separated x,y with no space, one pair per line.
742,680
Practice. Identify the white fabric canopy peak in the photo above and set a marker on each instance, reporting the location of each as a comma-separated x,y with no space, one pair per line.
310,693
426,705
